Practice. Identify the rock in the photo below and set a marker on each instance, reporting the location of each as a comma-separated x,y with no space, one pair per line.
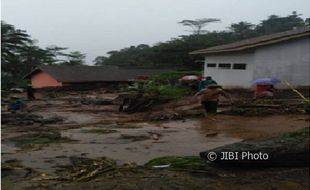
290,149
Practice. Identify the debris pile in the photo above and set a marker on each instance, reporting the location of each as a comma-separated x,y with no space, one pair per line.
85,169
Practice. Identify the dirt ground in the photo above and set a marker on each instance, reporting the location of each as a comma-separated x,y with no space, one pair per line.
72,126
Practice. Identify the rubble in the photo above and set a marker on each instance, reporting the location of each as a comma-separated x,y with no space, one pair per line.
85,169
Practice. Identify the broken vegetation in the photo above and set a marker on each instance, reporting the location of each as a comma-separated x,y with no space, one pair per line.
180,162
85,169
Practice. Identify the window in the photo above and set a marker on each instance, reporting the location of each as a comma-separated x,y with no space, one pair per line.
211,65
239,66
224,66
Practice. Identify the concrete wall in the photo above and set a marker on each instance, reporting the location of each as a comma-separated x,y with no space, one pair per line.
287,61
42,80
231,77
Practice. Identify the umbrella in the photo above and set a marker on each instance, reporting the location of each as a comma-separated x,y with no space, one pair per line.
266,81
189,77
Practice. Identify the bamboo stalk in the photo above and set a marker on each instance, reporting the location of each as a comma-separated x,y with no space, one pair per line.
297,92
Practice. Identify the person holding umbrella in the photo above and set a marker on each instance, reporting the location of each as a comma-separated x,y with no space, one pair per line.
264,87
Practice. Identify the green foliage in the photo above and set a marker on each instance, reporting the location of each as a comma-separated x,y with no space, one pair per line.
164,85
173,91
275,23
185,162
75,58
100,60
301,134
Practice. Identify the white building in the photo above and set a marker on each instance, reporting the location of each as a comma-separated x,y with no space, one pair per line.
285,56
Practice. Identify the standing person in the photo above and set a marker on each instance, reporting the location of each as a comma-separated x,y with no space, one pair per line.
209,97
30,93
204,83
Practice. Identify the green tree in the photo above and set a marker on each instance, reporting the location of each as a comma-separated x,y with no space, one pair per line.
243,30
12,41
75,58
100,60
275,23
56,55
198,24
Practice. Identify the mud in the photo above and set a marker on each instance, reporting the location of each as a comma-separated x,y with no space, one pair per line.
97,131
135,142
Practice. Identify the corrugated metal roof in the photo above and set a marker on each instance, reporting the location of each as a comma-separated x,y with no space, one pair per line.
255,42
78,74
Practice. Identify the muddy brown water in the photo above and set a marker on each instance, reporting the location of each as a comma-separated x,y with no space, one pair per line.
188,137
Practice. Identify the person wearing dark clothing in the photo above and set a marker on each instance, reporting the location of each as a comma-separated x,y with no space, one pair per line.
30,93
204,83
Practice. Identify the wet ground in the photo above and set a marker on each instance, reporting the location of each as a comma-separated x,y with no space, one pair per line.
101,131
140,142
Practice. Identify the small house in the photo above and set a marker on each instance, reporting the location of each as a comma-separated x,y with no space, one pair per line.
56,76
285,56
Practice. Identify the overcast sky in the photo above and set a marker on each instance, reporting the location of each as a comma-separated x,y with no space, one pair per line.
95,27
